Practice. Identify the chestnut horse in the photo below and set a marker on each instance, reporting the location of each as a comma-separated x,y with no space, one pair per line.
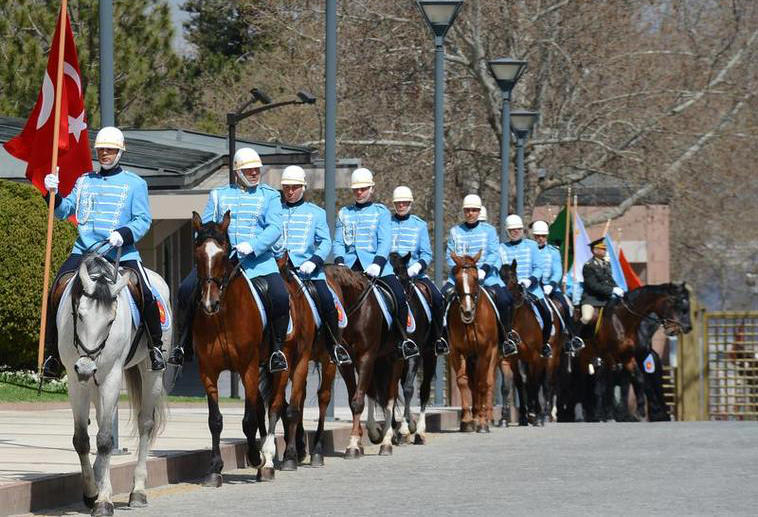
473,332
423,336
228,334
375,359
615,338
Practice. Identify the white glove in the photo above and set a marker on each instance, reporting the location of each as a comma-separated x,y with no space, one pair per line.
244,248
618,292
481,273
115,239
307,267
526,283
51,181
373,270
548,289
414,270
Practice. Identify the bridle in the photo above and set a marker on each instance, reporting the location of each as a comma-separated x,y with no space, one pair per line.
669,324
474,296
223,282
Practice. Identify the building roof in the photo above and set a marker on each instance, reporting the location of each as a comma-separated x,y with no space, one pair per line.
603,190
168,159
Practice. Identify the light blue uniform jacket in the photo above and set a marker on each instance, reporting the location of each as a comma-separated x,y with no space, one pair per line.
305,236
552,267
411,235
256,217
103,204
364,233
464,240
528,262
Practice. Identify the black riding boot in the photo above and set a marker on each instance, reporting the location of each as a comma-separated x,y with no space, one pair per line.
155,334
547,324
511,339
337,353
278,361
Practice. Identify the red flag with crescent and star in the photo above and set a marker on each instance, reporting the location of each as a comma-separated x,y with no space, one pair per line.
35,143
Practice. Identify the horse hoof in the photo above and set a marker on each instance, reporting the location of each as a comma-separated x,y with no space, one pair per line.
412,427
213,480
289,464
502,423
532,419
467,427
385,450
420,440
265,474
102,509
352,454
137,499
483,428
89,502
317,460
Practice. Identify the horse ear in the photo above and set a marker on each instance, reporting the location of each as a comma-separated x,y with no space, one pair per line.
455,258
406,257
513,265
478,256
122,282
87,283
226,220
197,221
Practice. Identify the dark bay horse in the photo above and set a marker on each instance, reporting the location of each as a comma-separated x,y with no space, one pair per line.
375,360
474,336
615,339
228,334
423,336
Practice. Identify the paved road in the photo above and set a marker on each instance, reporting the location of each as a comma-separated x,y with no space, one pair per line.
702,468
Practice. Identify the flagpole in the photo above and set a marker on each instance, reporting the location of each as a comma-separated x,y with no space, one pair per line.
607,227
566,238
51,197
575,233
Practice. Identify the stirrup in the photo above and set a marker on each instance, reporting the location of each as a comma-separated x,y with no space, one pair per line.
277,362
508,348
514,336
577,343
409,349
547,351
340,356
177,356
157,363
441,347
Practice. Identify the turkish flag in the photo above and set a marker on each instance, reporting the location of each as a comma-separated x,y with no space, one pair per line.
35,143
632,280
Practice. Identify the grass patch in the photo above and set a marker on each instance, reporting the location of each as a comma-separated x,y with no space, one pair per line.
23,393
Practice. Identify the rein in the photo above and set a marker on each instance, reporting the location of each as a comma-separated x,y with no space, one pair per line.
660,321
362,297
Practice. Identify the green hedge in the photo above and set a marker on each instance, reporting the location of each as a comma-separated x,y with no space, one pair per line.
23,229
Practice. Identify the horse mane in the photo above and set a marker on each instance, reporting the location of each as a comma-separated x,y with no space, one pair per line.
101,272
347,277
657,289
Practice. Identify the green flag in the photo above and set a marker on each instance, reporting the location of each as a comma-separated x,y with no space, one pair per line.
557,234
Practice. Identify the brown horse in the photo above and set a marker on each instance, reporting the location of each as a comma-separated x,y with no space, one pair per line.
615,338
473,331
423,335
375,360
228,334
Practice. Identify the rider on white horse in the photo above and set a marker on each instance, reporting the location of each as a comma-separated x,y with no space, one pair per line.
109,204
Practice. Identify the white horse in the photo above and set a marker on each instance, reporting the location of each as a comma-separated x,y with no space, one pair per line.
95,331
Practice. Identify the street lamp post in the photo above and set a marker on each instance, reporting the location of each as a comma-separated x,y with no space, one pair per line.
439,16
506,72
232,119
522,123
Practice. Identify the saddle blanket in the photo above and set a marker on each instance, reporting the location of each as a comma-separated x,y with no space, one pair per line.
262,311
424,303
410,325
341,315
541,322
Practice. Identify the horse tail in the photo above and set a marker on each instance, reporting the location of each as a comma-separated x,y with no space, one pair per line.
133,379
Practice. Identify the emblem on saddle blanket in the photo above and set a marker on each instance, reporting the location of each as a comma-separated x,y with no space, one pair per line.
649,363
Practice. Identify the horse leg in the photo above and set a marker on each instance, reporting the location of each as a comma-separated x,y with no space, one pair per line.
294,412
391,395
277,405
353,450
505,389
458,365
430,362
79,397
215,425
486,373
638,384
106,406
601,388
328,372
149,417
521,389
407,427
265,464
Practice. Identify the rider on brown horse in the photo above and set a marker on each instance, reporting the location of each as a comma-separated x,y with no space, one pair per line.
307,241
529,272
256,225
599,285
411,235
469,238
109,205
362,242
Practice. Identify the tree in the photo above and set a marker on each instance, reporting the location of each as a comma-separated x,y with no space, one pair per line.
146,68
23,225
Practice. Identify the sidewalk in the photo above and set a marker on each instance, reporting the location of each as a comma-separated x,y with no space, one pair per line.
40,469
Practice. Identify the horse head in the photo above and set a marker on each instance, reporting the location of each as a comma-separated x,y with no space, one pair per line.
93,306
674,310
467,290
400,265
283,263
508,275
212,248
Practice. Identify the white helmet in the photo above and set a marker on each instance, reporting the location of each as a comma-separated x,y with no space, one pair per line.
540,228
361,178
402,193
293,175
482,214
246,158
472,201
110,138
513,222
